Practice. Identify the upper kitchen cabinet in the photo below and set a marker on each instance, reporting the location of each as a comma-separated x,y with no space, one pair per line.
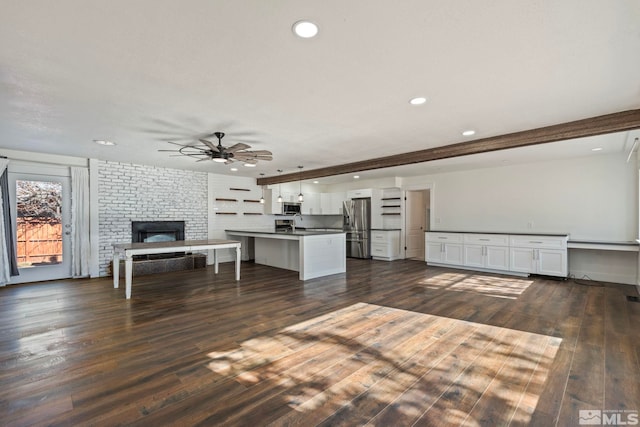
331,203
357,194
311,204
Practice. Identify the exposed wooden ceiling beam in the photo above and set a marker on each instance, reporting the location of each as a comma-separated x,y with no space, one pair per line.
609,123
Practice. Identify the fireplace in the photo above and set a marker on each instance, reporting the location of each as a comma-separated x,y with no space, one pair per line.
157,231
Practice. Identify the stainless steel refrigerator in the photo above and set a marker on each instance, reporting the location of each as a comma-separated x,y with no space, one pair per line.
357,220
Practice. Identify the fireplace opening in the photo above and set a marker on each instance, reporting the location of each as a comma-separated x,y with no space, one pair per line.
157,231
159,236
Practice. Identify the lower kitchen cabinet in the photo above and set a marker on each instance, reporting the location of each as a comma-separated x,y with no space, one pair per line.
385,244
548,262
546,255
486,251
444,248
492,257
521,254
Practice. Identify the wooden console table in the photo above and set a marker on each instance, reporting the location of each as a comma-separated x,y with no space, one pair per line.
147,248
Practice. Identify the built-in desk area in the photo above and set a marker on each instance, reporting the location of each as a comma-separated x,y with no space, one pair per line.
604,260
603,245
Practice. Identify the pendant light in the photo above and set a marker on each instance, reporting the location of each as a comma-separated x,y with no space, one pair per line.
300,196
279,188
262,187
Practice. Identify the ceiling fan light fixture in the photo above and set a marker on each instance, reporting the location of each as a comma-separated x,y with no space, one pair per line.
249,165
305,29
219,160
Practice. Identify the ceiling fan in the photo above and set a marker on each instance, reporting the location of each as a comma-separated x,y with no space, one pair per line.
219,153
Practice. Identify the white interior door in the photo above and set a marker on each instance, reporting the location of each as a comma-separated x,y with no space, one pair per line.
415,222
41,216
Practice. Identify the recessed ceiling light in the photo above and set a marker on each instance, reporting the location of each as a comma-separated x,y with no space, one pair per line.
469,132
316,182
305,29
356,176
234,169
418,101
597,149
104,142
250,165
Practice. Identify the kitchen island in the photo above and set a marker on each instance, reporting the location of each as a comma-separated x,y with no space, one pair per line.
311,253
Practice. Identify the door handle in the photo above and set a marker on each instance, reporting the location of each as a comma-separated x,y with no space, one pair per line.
67,232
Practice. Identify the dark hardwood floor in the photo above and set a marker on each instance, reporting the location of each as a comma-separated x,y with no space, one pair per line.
389,344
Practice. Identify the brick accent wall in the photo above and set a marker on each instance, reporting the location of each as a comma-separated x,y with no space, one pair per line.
129,192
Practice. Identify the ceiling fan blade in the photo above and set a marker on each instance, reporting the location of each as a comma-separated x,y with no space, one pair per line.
261,152
237,147
243,156
228,162
210,144
202,160
251,156
173,151
177,143
250,161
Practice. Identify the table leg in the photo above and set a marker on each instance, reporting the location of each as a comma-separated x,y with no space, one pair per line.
215,261
116,270
238,256
128,271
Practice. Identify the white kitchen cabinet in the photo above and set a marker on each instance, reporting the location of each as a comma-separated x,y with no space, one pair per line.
522,260
331,203
486,251
546,255
271,204
311,204
444,248
519,254
357,194
552,262
385,244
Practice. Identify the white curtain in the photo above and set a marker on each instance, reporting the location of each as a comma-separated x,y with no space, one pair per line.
5,268
80,245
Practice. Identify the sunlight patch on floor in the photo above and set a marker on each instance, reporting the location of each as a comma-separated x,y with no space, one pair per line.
495,286
407,366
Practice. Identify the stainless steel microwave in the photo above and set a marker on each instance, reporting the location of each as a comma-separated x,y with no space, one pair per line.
291,208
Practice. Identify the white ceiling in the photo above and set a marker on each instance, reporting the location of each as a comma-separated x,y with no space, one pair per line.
145,72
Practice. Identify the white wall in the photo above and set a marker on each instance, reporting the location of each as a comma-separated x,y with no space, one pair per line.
589,197
220,186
